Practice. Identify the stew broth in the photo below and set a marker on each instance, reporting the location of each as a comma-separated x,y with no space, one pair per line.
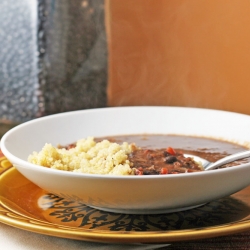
207,148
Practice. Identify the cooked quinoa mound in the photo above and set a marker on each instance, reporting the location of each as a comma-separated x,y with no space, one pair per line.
88,156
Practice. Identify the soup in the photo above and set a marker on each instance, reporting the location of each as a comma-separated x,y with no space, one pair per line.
207,148
134,154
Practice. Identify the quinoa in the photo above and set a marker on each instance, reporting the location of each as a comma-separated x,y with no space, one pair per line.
87,156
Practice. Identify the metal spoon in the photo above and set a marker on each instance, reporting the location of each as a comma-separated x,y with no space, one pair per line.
212,165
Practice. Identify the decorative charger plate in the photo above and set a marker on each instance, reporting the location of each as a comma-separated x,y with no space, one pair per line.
26,206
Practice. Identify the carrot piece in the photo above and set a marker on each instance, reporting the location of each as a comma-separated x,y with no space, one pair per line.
171,151
164,171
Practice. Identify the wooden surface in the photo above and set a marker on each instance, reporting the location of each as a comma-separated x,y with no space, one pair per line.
5,127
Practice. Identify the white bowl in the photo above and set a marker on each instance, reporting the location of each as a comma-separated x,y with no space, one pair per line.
131,194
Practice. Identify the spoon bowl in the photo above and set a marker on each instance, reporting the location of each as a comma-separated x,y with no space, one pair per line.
213,165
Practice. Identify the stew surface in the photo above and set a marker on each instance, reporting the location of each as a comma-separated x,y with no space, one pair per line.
209,149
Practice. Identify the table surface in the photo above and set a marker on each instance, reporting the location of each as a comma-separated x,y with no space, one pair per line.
13,238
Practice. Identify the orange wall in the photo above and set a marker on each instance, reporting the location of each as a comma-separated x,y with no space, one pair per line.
179,52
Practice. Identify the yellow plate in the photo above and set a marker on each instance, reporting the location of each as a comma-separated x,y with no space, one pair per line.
26,206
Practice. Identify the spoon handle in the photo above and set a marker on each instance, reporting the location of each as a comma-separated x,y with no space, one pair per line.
228,159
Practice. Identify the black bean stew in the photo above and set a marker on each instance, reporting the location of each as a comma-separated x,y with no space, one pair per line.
162,161
151,158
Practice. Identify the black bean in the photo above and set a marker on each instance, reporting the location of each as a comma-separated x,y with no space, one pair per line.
150,172
170,159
